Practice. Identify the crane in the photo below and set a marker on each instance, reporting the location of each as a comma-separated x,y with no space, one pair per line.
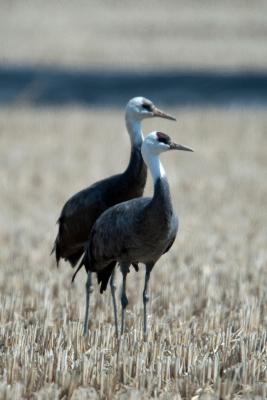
136,231
82,210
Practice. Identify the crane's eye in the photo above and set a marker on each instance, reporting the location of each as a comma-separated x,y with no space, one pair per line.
147,107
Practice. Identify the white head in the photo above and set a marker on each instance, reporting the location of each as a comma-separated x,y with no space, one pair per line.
154,144
139,108
158,142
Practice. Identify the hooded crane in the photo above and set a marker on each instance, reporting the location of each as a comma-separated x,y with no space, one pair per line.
136,231
81,211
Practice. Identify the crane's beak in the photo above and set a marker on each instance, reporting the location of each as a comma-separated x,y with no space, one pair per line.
161,114
174,146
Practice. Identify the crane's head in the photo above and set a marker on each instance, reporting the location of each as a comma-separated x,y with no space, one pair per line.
159,142
140,108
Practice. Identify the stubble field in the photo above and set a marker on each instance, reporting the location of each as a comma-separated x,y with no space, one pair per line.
208,308
207,325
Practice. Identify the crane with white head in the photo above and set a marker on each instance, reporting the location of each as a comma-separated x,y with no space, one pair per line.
136,231
82,210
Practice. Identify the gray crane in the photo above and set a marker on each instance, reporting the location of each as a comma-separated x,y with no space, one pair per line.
82,210
136,231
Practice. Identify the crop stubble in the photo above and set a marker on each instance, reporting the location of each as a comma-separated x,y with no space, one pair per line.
208,296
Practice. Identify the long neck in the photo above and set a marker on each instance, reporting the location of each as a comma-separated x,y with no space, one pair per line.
134,130
136,170
162,196
155,167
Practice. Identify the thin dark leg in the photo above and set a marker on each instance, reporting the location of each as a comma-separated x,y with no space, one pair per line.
124,301
89,289
113,289
146,297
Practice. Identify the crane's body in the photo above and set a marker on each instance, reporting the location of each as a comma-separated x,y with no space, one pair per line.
82,210
136,231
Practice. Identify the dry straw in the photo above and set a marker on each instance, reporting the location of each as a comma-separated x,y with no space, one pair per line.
207,337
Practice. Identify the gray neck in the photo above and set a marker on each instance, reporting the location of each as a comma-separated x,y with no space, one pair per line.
162,191
161,202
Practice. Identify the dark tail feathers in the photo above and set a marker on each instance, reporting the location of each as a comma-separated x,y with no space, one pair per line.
82,263
55,249
104,276
74,258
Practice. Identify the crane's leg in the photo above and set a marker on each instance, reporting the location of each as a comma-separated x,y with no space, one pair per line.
124,301
113,289
146,296
89,289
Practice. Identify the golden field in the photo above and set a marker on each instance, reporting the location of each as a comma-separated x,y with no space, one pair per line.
207,337
208,309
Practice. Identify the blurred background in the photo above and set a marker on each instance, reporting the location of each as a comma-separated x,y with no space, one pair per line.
67,70
103,53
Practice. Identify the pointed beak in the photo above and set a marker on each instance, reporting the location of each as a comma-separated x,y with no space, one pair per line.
161,114
174,146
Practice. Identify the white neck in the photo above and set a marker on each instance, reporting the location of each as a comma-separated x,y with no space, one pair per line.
134,130
153,162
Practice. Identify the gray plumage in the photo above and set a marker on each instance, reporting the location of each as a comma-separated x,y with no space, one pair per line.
137,231
82,210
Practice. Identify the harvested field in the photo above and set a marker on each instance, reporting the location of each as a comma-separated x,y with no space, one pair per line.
208,308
